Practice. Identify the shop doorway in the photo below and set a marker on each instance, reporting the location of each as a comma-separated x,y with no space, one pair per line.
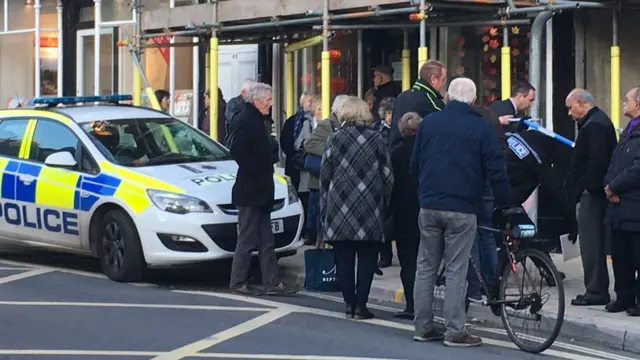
85,62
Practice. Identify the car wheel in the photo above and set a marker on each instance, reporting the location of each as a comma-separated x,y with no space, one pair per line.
119,249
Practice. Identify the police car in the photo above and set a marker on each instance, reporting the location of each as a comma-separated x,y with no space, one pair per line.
131,186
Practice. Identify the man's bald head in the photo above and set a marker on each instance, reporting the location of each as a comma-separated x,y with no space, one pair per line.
579,102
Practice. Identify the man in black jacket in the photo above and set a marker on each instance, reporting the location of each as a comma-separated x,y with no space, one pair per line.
423,98
234,108
385,88
594,145
522,97
623,191
253,193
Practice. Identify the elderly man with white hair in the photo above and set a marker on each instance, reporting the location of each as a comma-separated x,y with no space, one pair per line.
253,194
455,152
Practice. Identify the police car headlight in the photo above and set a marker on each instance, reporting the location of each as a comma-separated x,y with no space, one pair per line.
177,203
293,194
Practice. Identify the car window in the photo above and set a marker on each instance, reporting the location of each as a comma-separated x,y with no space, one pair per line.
51,137
147,142
11,134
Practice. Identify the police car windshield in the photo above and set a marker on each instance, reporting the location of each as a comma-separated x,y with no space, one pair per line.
148,142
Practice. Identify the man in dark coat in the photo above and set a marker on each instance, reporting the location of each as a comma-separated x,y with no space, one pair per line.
522,97
423,98
385,87
233,109
455,153
405,208
623,192
253,193
592,152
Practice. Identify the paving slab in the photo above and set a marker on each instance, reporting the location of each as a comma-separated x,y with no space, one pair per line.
581,324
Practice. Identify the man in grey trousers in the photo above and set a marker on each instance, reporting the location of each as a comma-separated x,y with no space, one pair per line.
455,151
591,155
253,193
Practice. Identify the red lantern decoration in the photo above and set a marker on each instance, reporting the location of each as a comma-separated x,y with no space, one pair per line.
335,55
338,85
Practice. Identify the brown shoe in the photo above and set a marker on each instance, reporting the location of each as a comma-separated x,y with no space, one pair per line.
282,289
431,335
466,340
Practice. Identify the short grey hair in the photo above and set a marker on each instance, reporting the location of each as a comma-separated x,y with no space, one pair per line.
338,102
409,123
246,86
386,105
303,97
258,91
582,96
354,109
462,89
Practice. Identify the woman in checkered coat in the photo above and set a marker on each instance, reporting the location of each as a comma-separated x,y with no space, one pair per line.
355,187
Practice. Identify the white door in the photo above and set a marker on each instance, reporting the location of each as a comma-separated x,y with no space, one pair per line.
85,61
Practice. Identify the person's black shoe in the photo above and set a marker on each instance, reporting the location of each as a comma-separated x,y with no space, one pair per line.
348,311
432,335
246,290
589,300
618,306
362,313
378,272
404,314
634,311
282,289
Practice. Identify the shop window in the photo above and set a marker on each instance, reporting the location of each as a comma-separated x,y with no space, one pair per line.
478,49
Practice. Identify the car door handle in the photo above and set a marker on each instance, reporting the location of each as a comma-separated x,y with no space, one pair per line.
84,194
27,179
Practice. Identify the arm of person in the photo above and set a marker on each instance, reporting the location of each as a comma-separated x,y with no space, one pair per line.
550,182
286,142
597,157
242,145
494,165
326,174
316,142
628,179
414,164
386,171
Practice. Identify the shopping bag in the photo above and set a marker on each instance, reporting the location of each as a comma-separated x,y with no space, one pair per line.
320,270
312,164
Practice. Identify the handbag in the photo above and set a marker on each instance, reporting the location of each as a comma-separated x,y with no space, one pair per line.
320,270
312,164
299,159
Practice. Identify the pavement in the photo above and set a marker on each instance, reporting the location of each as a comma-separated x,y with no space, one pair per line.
588,325
57,307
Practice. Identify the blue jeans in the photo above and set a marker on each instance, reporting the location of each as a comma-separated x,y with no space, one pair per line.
484,252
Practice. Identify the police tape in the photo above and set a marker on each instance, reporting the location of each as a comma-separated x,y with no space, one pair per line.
534,126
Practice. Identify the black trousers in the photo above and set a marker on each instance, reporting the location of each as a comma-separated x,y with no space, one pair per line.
408,257
355,293
304,199
386,248
625,255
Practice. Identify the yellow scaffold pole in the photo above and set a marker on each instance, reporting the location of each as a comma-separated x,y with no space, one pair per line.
406,63
326,64
615,74
289,89
213,88
505,60
423,50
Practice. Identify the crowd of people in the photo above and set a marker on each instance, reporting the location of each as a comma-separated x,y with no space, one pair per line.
424,168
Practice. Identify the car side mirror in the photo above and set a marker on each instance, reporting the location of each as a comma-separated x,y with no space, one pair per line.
62,159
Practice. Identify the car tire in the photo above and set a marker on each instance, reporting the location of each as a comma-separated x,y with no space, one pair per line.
119,248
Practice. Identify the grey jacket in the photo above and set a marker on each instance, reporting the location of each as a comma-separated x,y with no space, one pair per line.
314,144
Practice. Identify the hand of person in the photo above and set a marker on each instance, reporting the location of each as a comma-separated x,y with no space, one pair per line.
615,199
504,119
608,192
573,237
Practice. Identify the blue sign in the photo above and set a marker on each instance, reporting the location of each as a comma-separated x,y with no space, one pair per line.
40,218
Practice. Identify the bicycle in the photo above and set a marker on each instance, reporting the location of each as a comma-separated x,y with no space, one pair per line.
516,229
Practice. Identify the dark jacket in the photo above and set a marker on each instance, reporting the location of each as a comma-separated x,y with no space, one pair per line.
203,120
506,107
390,89
456,150
422,99
404,196
354,189
385,131
286,144
591,154
623,178
251,149
530,159
231,113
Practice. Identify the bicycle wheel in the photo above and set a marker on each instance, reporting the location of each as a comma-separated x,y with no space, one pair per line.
528,305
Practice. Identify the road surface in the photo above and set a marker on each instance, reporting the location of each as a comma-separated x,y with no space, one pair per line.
60,307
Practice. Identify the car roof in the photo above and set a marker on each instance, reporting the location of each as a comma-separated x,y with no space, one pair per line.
84,114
